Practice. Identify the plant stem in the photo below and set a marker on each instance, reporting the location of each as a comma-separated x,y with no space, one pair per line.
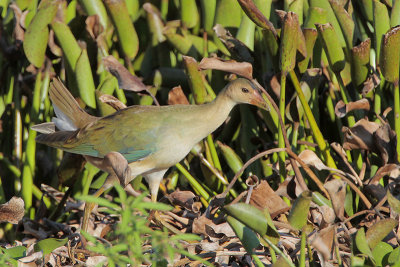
281,141
397,115
313,124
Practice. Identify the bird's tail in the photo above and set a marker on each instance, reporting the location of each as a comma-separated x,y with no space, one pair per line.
70,116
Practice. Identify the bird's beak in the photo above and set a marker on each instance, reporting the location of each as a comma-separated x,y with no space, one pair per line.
258,100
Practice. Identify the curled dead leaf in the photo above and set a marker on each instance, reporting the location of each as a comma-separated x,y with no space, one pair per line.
323,242
337,191
244,69
386,141
184,199
125,79
393,170
341,109
112,101
93,26
311,159
238,49
371,83
12,211
360,136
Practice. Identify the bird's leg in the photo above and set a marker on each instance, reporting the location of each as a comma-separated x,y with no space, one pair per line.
119,172
111,179
154,180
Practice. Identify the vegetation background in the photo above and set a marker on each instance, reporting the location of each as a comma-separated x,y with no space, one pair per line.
329,195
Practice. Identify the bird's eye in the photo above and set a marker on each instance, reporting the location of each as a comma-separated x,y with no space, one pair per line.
245,90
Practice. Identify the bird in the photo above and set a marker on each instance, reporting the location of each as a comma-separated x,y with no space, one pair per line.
151,138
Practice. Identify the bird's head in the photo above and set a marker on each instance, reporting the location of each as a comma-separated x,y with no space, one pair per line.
244,91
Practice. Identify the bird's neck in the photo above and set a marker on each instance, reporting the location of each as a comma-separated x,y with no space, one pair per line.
213,114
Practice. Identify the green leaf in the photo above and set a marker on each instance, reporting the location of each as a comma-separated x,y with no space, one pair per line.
394,258
379,231
233,160
37,33
299,211
189,13
289,44
381,253
15,252
390,56
381,25
49,244
360,63
357,262
393,201
345,21
128,38
249,215
84,78
248,238
332,47
362,244
229,19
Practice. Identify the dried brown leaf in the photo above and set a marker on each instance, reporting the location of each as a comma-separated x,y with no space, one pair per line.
273,202
371,83
199,225
184,199
34,260
93,26
360,136
323,242
19,32
176,96
114,102
388,169
223,228
311,159
238,49
341,109
337,191
386,141
244,69
125,79
12,211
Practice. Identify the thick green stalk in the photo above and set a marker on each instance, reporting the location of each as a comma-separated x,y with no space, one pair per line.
193,182
30,149
213,151
397,115
281,141
303,242
313,124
